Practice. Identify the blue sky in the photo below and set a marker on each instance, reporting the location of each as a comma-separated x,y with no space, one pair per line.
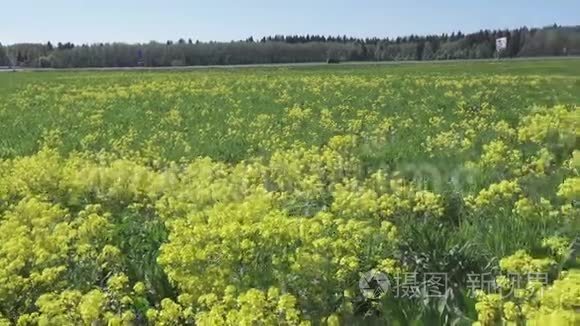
90,21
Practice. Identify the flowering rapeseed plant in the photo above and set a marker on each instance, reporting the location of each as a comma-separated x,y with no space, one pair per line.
261,197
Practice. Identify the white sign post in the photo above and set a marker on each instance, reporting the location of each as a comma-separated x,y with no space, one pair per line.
500,45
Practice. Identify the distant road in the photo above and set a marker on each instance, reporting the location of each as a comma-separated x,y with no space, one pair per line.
282,65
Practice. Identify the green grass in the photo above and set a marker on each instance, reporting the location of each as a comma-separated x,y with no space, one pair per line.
34,103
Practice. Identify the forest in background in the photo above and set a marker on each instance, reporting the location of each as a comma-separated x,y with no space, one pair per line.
522,42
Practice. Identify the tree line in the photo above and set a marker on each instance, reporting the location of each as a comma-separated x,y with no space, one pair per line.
522,42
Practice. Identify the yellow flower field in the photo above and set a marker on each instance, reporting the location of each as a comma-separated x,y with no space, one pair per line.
264,196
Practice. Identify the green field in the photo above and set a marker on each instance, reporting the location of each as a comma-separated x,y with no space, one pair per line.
266,195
